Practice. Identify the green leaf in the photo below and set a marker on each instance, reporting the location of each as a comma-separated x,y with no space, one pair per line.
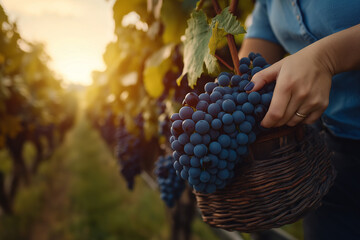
156,67
196,50
223,24
228,22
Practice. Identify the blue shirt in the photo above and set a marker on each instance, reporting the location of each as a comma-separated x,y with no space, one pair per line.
294,24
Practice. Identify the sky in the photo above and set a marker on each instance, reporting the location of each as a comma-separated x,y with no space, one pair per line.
75,32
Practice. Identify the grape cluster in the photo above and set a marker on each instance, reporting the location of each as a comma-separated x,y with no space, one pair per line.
212,131
128,151
171,185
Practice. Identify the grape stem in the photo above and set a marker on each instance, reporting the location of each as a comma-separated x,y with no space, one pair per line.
224,62
230,38
199,5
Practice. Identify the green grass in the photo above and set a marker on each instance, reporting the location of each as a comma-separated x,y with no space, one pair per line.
79,194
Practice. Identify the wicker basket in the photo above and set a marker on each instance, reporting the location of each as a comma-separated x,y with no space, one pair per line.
274,187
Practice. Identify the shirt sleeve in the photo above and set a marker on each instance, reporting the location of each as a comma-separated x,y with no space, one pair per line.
260,26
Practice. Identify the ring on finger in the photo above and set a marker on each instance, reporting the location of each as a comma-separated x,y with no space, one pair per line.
301,115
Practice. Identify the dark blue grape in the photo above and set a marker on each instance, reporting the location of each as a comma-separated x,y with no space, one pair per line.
242,138
242,98
238,116
175,117
209,87
215,147
195,138
228,106
198,115
247,108
204,97
200,150
214,96
243,68
191,99
224,140
202,105
194,162
189,149
214,109
259,62
254,98
245,127
245,60
255,70
235,80
202,127
223,80
188,126
227,119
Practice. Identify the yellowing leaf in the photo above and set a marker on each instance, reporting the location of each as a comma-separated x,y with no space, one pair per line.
156,67
196,49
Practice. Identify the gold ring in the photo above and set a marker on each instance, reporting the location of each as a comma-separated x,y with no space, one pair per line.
301,115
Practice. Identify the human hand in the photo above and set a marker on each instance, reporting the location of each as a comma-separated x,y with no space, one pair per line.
303,82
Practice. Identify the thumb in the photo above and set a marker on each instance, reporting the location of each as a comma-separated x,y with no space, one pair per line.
260,79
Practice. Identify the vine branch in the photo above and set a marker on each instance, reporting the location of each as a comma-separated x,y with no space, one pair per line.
230,38
224,62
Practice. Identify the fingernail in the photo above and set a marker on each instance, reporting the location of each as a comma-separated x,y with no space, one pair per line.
249,86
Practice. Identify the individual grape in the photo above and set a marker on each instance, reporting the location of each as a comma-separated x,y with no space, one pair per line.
214,96
224,140
219,89
194,172
186,112
214,109
202,105
200,150
184,160
188,126
243,68
198,115
245,127
215,148
195,138
209,87
191,99
204,177
252,56
204,97
228,96
227,119
202,127
206,139
177,146
242,138
189,149
228,106
255,70
259,62
238,117
223,80
224,174
247,108
245,60
242,98
217,124
175,117
266,99
235,80
194,162
254,98
183,138
208,118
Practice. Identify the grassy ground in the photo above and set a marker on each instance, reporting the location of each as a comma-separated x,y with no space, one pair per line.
79,194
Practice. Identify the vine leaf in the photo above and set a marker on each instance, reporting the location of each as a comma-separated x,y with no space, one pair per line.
227,21
202,40
196,50
223,24
156,67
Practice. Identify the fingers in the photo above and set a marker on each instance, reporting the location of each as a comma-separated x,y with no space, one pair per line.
278,106
265,76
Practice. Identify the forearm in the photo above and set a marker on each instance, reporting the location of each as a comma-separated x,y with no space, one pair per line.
270,51
340,51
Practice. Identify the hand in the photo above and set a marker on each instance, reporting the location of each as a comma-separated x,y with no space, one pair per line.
303,82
